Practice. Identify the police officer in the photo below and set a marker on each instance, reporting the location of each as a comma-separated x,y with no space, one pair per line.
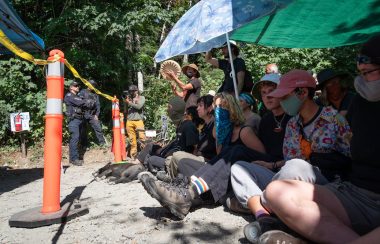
135,118
75,106
91,116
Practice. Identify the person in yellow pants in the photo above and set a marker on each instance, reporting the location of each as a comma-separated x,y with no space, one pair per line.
135,118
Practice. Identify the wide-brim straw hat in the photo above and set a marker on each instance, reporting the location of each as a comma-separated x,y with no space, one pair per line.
170,65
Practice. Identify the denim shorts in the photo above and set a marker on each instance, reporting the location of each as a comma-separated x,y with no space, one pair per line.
362,206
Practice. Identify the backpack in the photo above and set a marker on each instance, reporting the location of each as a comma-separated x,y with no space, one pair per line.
248,82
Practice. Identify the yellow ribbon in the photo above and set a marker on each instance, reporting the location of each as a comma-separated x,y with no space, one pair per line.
4,40
88,84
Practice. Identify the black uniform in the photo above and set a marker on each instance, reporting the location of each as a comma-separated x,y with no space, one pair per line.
89,118
75,106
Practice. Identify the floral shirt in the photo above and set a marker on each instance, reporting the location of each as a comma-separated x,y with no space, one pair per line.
330,132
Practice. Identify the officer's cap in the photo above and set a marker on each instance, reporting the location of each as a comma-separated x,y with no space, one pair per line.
93,83
74,83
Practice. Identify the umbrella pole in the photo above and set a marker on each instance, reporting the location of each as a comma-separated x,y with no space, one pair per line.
232,67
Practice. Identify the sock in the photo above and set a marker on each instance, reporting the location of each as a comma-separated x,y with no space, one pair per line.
261,213
199,185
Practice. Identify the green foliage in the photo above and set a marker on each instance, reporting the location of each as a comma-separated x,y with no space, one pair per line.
257,57
109,41
19,93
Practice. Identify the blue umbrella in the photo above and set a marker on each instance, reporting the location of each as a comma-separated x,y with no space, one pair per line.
16,30
207,24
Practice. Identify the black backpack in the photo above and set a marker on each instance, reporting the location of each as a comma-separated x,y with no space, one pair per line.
248,82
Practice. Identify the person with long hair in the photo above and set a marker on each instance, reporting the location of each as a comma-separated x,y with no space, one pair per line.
233,141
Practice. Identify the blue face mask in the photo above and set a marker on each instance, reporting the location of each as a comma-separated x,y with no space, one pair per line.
189,74
291,105
223,126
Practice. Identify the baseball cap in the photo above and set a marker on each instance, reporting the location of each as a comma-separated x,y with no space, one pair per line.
74,83
232,43
273,77
133,88
292,80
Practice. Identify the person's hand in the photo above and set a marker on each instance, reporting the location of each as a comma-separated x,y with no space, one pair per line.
127,100
268,165
96,117
171,74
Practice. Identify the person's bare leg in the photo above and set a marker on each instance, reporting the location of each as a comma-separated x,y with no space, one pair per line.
256,208
371,237
311,210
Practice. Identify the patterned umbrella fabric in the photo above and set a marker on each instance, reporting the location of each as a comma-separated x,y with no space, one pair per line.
204,26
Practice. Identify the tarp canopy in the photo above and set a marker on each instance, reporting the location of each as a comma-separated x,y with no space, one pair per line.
315,24
16,30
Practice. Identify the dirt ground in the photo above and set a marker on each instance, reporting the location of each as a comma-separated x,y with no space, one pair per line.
122,213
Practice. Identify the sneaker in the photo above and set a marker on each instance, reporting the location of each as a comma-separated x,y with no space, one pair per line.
235,206
278,236
254,230
77,162
163,176
173,196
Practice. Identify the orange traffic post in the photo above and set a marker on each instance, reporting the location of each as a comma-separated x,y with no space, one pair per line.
53,134
51,211
123,145
116,130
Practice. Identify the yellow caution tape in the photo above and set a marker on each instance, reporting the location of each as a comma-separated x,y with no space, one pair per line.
21,53
88,84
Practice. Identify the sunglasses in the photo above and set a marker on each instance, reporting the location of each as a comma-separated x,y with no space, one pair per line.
363,59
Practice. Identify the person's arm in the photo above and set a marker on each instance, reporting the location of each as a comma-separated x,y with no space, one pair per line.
240,80
97,107
250,139
344,135
180,84
175,92
213,61
140,103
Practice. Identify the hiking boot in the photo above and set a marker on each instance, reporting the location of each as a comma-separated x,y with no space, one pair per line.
163,176
235,206
278,236
254,230
173,196
76,162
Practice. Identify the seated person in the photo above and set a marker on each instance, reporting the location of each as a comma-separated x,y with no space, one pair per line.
153,156
247,103
334,91
342,210
213,176
206,148
327,134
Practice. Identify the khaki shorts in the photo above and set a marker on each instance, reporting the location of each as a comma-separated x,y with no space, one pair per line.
362,206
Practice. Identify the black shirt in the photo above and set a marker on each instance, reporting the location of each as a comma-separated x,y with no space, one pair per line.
239,65
187,136
271,137
207,142
364,117
193,94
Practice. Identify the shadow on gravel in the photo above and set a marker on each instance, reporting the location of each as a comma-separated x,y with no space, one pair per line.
11,179
209,232
71,199
158,213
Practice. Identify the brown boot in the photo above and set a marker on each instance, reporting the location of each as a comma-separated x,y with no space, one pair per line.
173,196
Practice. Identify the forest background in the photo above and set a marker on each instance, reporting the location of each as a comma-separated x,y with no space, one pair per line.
110,41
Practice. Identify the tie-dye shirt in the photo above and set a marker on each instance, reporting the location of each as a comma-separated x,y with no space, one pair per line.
330,132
